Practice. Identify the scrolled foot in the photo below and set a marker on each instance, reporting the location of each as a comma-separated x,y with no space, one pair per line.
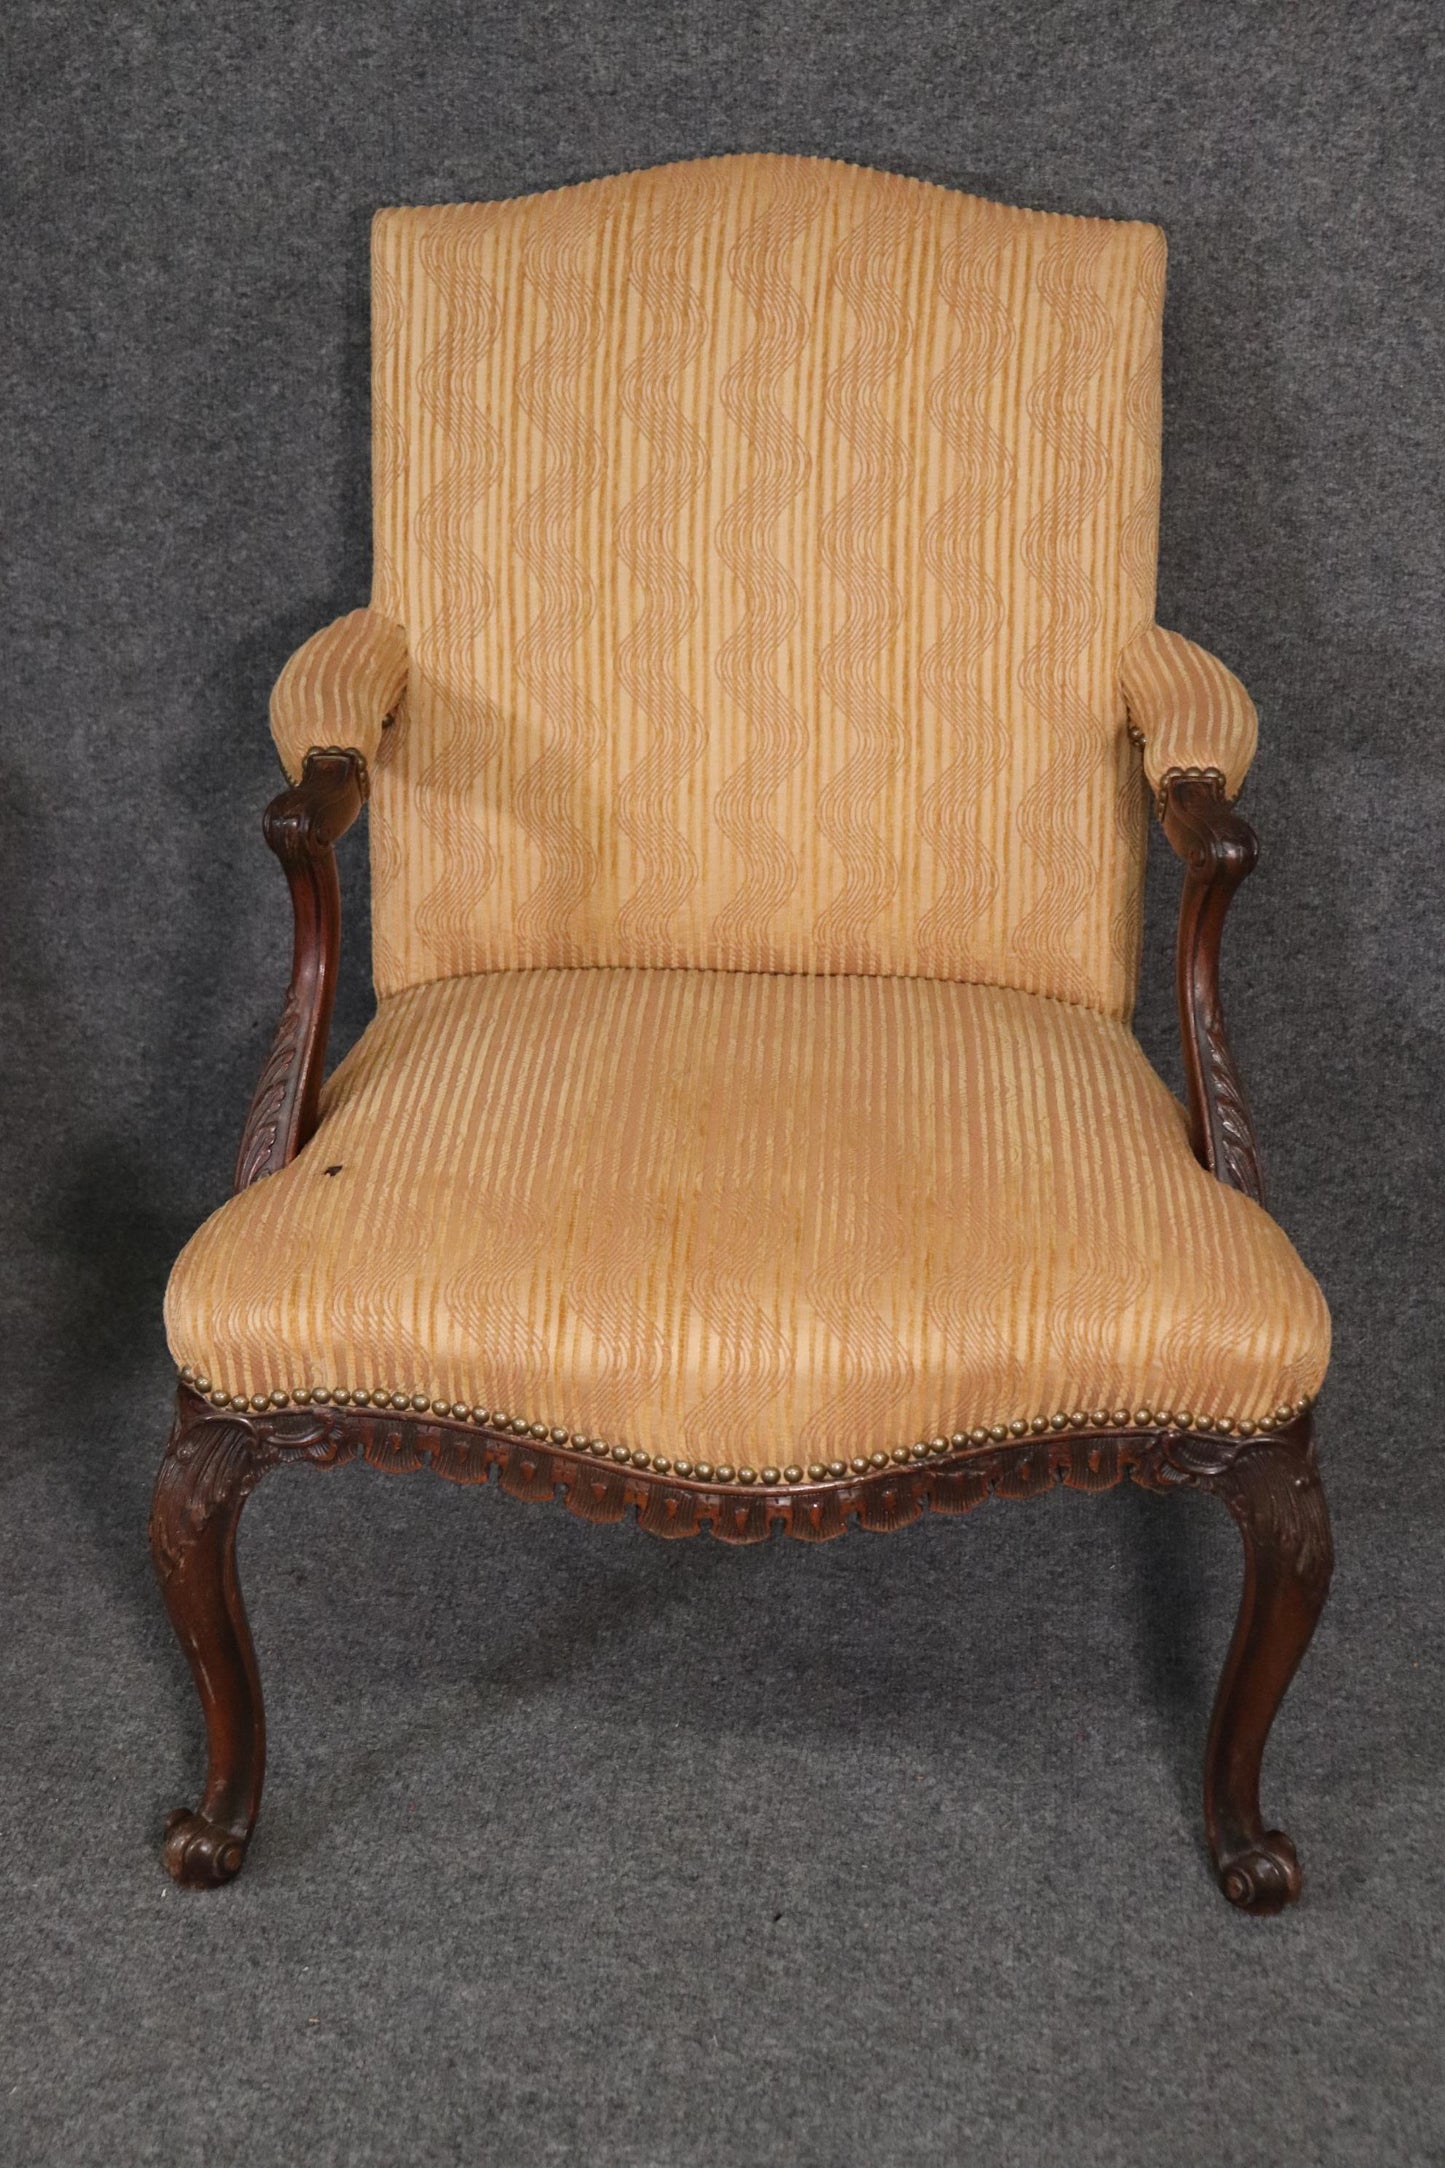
1263,1879
201,1854
212,1464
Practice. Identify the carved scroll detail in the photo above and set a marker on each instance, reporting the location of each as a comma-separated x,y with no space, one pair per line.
209,1467
216,1458
214,1461
1272,1489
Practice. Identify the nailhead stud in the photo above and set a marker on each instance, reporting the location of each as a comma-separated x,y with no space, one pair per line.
661,1464
1039,1424
772,1475
792,1475
703,1471
999,1433
558,1437
642,1460
724,1474
203,1384
816,1471
747,1475
683,1468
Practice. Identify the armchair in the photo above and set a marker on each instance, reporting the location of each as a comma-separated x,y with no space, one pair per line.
757,711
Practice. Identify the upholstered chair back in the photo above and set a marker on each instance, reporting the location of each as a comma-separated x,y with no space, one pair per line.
766,532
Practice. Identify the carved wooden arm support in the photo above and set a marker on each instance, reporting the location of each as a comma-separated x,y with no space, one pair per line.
301,827
1219,849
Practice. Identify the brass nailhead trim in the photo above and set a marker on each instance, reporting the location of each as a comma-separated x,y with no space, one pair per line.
702,1471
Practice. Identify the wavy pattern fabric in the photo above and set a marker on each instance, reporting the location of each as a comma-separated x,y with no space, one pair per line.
774,544
765,1218
1187,708
339,688
767,532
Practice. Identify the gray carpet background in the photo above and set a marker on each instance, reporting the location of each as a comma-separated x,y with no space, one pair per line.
578,1847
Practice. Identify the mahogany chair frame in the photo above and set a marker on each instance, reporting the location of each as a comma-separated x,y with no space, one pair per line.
220,1447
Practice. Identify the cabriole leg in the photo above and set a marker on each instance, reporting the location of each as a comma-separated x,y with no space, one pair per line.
1273,1490
210,1468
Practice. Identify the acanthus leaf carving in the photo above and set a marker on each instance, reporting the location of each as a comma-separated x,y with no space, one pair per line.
301,826
217,1456
668,1505
274,1089
1219,849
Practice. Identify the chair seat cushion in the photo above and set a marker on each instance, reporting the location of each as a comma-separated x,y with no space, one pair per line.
755,1219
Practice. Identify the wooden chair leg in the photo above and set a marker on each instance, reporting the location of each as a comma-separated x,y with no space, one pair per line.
210,1469
1274,1493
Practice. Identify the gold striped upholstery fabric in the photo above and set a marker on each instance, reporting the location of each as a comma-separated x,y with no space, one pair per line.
767,532
764,589
339,688
1188,709
755,1218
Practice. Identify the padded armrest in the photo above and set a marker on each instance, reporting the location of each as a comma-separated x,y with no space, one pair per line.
339,688
1190,713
